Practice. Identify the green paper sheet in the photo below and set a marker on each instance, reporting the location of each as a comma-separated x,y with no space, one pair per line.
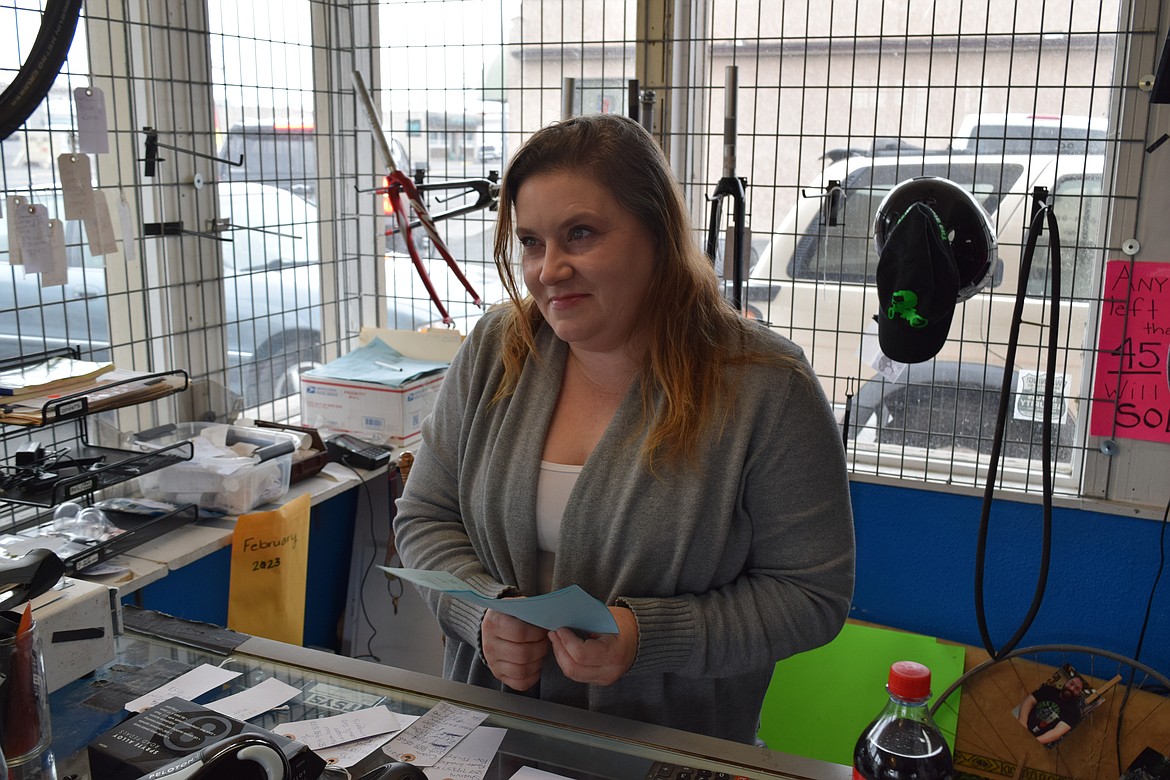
820,701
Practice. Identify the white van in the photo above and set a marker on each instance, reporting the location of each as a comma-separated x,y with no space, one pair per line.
815,283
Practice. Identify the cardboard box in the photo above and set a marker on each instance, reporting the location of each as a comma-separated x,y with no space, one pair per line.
176,728
77,623
373,412
377,412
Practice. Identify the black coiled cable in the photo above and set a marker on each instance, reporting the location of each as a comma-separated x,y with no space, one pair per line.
1001,425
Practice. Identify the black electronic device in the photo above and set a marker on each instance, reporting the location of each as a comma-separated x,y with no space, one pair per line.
352,451
399,770
239,757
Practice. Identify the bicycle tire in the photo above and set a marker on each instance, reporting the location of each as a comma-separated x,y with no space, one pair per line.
991,743
37,74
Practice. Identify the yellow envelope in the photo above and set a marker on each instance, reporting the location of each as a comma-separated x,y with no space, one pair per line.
270,562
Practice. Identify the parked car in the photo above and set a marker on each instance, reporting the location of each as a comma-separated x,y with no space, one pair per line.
815,283
1030,134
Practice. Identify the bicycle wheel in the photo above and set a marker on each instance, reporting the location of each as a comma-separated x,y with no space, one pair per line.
1119,710
32,82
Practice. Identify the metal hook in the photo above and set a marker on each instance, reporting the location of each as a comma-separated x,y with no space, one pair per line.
834,195
225,225
152,159
1040,200
161,229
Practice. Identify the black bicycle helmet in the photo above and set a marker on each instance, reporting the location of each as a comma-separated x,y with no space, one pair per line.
966,224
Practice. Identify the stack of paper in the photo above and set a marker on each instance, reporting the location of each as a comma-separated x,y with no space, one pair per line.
378,362
109,390
55,375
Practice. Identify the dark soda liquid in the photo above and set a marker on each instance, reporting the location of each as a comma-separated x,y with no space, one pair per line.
906,752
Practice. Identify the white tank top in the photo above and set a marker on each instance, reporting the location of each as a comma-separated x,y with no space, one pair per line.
552,496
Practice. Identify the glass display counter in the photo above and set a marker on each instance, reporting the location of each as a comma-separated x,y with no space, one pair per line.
550,737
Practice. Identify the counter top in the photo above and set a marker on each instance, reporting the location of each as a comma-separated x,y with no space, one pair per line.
564,740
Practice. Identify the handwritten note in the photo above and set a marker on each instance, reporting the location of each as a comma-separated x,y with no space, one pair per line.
349,753
92,126
77,191
470,759
187,686
33,235
430,737
1131,389
338,729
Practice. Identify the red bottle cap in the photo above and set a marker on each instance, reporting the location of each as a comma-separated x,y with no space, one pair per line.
909,680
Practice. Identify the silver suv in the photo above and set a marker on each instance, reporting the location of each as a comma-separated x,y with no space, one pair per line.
815,283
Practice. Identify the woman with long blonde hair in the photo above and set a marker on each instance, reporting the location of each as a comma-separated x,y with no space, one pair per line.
618,426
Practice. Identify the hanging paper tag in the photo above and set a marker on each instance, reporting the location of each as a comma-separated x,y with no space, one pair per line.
126,222
15,204
58,270
76,185
99,228
33,235
93,135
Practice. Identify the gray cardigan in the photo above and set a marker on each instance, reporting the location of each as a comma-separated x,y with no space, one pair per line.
727,570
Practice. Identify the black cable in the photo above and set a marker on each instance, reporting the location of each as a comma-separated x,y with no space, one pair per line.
1137,655
364,488
39,71
1034,227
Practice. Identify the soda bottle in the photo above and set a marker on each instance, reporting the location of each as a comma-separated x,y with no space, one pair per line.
903,742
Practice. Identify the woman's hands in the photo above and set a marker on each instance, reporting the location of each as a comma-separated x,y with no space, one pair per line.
603,658
515,650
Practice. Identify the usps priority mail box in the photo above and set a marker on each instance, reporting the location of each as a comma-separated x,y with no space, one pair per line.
363,391
388,415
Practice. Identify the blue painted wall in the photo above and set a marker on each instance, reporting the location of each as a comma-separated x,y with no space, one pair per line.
916,571
199,590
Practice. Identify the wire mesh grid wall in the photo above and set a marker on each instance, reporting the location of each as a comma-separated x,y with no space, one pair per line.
837,103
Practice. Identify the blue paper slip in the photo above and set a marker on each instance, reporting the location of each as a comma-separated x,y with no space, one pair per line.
569,607
380,363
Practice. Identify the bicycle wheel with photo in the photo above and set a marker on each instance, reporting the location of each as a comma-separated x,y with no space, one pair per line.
1057,711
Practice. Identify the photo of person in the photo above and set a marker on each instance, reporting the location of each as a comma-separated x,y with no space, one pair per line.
1055,708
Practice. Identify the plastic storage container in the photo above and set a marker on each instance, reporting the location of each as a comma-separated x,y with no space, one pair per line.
903,742
234,468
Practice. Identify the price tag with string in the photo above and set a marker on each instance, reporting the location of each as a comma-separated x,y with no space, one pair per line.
93,134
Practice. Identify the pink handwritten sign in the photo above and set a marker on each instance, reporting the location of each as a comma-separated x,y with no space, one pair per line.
1131,389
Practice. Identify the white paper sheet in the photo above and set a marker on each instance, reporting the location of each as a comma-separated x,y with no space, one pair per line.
187,686
255,701
339,729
